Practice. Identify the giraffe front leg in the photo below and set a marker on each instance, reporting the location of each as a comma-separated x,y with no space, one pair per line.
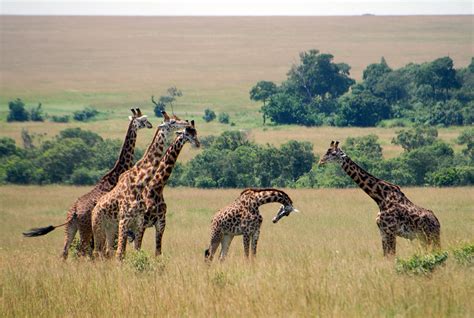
389,244
160,228
246,239
254,242
122,239
139,238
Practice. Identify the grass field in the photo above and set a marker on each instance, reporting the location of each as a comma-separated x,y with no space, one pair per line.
325,261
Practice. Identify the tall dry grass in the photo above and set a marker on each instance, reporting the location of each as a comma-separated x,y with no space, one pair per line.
325,261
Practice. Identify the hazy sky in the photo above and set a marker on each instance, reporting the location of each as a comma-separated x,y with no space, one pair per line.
235,7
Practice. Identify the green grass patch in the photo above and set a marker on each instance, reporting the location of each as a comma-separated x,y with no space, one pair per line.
464,255
421,264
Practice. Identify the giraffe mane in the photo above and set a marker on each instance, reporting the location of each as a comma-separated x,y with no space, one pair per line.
265,189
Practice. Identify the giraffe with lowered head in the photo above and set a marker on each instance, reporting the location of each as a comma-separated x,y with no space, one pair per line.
398,216
242,217
79,215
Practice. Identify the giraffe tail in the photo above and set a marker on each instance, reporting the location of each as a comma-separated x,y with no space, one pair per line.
39,231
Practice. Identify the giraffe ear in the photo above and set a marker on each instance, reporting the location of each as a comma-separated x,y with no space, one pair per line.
130,118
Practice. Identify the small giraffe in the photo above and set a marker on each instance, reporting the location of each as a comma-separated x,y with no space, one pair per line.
79,215
124,205
155,214
398,216
242,217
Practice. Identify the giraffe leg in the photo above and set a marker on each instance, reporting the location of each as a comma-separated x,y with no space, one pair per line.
216,239
389,244
139,238
160,228
70,232
86,238
246,244
110,244
255,241
226,240
122,239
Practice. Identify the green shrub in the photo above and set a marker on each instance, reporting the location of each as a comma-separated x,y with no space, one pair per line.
17,111
465,255
60,119
223,118
85,176
421,264
36,114
85,114
209,115
139,261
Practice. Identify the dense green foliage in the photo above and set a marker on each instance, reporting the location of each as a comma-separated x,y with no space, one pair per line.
19,113
318,91
231,160
465,255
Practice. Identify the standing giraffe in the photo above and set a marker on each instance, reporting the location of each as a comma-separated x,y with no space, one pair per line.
124,205
155,214
79,215
242,217
398,216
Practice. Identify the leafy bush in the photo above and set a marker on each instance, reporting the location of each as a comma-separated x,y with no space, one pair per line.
209,115
36,114
415,137
86,176
223,118
17,111
7,147
421,264
60,119
139,261
465,255
85,114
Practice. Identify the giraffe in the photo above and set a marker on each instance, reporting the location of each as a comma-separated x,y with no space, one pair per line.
79,215
125,202
398,216
155,213
242,217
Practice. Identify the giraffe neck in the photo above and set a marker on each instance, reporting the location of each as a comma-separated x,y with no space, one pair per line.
125,159
371,185
152,156
167,164
270,196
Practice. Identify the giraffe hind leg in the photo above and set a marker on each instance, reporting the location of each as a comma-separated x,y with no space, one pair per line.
70,233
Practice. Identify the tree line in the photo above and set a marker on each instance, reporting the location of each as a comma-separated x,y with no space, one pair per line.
318,91
231,160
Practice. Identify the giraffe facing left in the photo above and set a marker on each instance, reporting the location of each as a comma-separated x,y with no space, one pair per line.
79,214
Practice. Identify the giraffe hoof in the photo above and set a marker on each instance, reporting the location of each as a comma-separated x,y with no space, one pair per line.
131,236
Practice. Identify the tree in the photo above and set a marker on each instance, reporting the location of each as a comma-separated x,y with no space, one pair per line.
90,138
36,114
417,137
317,75
7,147
374,72
17,111
172,93
362,109
262,91
86,114
440,75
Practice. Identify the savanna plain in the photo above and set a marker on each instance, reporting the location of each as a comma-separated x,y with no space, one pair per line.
325,261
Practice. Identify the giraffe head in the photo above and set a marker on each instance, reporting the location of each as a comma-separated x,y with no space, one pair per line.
190,134
285,210
173,122
334,153
139,120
